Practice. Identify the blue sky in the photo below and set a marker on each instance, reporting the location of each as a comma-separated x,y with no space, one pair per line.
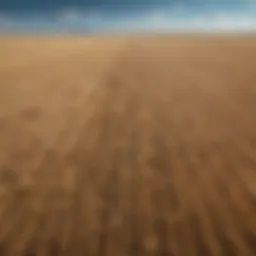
127,15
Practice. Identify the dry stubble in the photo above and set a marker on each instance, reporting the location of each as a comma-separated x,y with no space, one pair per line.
128,146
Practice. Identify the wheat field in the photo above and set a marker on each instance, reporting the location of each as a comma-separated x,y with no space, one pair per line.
128,146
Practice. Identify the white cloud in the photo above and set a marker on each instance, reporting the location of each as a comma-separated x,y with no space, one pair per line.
68,15
172,19
216,22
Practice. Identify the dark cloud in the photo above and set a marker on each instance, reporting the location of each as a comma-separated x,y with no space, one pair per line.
124,15
51,5
119,5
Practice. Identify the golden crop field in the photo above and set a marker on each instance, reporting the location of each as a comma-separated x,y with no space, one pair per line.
128,146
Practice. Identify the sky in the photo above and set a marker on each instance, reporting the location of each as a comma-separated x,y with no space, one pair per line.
127,15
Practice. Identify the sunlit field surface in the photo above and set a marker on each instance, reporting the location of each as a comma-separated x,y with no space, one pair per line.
128,146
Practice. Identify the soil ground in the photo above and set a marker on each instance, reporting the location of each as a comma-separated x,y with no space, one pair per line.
128,146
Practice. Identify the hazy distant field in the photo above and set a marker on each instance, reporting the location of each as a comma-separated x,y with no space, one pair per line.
128,146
